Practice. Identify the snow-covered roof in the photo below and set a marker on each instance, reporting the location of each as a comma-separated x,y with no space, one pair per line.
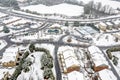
71,61
70,58
68,53
107,75
94,49
55,25
2,15
102,24
109,23
97,56
11,20
21,0
116,22
75,75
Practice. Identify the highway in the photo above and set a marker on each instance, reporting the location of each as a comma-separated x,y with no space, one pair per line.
38,18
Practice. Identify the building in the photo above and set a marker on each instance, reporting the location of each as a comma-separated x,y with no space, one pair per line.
102,26
98,59
11,20
68,61
11,60
109,25
54,30
117,24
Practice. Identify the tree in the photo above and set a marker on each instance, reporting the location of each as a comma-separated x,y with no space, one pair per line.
47,73
76,23
10,3
5,29
31,47
115,60
66,23
99,5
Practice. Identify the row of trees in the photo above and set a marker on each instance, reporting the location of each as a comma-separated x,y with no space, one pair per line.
20,67
91,6
113,57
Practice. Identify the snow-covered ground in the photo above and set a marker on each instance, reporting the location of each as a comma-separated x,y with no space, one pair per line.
117,54
35,72
51,49
104,40
64,8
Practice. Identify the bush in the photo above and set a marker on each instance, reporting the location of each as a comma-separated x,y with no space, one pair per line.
66,23
32,47
47,73
46,62
115,60
26,69
5,29
76,23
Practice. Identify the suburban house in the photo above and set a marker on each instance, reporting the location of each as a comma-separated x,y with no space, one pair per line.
102,26
109,25
68,61
98,59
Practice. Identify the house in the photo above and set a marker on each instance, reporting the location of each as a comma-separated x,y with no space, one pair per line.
117,23
98,59
102,26
12,59
68,61
11,20
109,25
2,15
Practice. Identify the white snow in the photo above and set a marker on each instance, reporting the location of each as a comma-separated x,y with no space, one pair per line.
75,75
97,56
107,75
2,15
65,9
35,72
104,40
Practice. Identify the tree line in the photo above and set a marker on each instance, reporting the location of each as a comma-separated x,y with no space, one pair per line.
10,3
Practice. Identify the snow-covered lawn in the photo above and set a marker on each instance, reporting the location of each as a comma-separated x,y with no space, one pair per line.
51,49
65,9
35,69
104,40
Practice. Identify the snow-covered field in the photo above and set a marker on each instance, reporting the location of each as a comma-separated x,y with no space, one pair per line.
104,40
65,9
